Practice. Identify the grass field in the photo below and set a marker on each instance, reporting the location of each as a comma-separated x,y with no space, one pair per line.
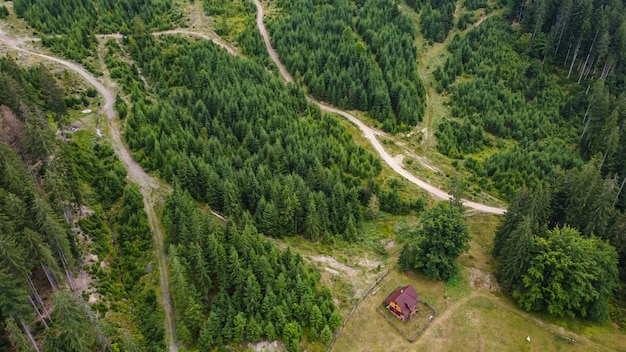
476,321
472,314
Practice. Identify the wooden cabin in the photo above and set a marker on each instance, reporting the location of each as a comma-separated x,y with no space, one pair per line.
403,302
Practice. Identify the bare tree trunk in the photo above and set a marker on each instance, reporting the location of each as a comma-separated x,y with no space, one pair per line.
34,290
590,66
50,276
604,156
68,272
574,58
543,61
70,279
585,129
569,49
30,336
620,191
41,317
608,66
32,173
558,44
585,120
580,76
604,69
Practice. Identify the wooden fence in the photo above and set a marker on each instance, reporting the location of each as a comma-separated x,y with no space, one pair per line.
355,307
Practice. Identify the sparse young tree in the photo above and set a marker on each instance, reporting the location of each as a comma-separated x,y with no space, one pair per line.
292,335
326,335
372,207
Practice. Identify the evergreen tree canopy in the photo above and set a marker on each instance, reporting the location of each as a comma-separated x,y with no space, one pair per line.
261,291
239,139
356,55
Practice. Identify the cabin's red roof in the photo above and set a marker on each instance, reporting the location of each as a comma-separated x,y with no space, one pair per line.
405,297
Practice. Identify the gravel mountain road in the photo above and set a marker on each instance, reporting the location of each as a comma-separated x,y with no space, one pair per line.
266,38
368,132
136,174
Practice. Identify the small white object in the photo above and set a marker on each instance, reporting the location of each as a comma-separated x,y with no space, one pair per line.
86,111
431,318
98,132
528,339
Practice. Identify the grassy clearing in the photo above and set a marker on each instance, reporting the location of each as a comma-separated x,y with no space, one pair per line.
349,269
483,324
195,17
482,228
472,314
369,331
476,321
16,25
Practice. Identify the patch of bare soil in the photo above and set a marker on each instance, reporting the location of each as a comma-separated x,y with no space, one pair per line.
334,266
266,346
368,263
483,279
388,245
83,284
410,274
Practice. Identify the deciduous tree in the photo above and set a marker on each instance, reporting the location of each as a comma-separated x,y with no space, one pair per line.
443,236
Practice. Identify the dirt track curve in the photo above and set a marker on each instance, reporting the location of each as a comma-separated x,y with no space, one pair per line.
368,132
136,174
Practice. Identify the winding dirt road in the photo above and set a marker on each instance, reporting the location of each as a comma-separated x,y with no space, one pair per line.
266,38
146,183
368,132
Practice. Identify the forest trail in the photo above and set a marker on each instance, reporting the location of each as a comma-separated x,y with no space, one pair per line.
136,174
428,61
368,132
214,38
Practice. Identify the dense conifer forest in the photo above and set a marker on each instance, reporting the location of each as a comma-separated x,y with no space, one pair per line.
70,27
253,149
437,17
355,55
512,96
241,141
250,289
